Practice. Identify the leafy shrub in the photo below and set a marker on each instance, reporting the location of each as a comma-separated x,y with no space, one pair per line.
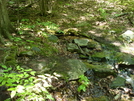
23,84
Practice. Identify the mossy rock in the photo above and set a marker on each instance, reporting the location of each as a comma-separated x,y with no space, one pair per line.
100,56
124,58
81,42
70,68
71,31
73,47
101,98
118,82
93,44
102,70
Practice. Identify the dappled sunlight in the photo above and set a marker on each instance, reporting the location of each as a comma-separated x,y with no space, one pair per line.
128,50
69,50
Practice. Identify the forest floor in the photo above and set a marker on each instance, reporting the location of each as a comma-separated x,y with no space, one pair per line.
101,19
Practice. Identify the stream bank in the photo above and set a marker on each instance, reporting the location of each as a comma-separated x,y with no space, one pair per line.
88,43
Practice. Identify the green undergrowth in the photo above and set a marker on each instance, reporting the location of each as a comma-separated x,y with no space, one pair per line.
31,42
28,44
23,84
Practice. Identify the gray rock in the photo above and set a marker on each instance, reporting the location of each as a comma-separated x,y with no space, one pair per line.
125,58
81,41
93,44
39,66
67,68
70,68
72,47
99,56
77,68
128,36
118,82
101,70
53,38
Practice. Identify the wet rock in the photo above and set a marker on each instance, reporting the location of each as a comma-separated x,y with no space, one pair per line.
129,78
118,82
128,68
89,74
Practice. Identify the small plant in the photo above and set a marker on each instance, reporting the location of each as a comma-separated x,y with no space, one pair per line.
83,80
17,39
103,13
48,25
23,84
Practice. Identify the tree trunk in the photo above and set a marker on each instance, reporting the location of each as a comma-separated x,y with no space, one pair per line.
46,6
5,25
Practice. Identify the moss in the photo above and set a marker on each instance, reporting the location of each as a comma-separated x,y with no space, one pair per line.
48,49
101,98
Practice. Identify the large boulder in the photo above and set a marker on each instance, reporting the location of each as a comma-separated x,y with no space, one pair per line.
71,68
67,68
101,70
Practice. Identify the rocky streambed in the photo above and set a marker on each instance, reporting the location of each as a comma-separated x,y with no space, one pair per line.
109,70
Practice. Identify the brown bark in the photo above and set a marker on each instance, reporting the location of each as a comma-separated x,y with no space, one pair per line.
46,6
5,25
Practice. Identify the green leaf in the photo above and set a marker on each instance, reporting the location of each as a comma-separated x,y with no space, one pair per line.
31,79
9,99
32,73
49,97
13,93
85,83
9,68
6,70
1,79
81,88
11,89
26,81
3,66
4,82
18,68
26,75
9,80
27,70
20,75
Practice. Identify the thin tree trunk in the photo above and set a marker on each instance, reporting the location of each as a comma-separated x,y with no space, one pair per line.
46,6
5,25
